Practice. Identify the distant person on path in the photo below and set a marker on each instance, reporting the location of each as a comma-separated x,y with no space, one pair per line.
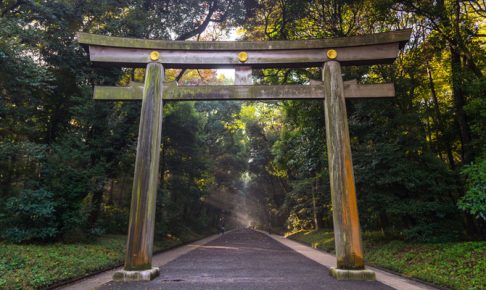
221,225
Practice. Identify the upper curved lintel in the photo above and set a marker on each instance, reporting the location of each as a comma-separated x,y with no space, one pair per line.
399,36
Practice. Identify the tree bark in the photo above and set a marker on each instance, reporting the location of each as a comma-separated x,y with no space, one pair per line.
200,29
440,122
459,103
95,207
314,205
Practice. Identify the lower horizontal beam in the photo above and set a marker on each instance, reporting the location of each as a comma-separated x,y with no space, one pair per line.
243,92
134,92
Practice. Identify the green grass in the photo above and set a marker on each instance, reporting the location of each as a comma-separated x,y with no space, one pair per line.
458,265
38,266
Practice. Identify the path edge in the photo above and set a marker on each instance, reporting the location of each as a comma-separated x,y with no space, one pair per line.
384,276
66,284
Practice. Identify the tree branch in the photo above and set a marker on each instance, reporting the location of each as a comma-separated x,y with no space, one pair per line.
180,75
200,29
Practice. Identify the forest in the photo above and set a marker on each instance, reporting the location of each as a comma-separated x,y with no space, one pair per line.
67,161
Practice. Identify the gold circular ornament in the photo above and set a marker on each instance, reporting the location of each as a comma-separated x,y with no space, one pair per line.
243,56
154,55
331,54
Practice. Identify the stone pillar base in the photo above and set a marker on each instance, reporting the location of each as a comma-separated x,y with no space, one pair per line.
142,275
362,275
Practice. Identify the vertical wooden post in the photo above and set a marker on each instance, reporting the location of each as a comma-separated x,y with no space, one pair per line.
243,75
347,232
138,261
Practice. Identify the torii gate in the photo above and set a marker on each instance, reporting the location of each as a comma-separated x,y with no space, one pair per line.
329,54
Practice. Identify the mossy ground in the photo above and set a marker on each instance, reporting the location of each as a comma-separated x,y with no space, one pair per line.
457,265
38,266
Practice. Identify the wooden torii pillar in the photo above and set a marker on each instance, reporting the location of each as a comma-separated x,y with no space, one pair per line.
330,54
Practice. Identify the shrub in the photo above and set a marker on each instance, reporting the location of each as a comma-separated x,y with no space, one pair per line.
474,201
30,216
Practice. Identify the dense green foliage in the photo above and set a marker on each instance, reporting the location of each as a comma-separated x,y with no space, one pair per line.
458,265
66,162
38,266
474,201
31,216
417,158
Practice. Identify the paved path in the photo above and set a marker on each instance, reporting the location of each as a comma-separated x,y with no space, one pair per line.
328,260
160,259
244,259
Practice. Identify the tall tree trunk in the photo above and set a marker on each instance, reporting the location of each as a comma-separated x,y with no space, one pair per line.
428,128
96,203
110,192
450,24
314,204
459,103
440,122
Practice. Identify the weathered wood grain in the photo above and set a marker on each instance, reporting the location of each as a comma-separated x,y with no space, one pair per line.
146,176
353,90
243,75
130,93
347,55
400,36
244,92
347,230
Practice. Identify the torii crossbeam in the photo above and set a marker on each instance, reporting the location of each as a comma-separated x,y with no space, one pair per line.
329,54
